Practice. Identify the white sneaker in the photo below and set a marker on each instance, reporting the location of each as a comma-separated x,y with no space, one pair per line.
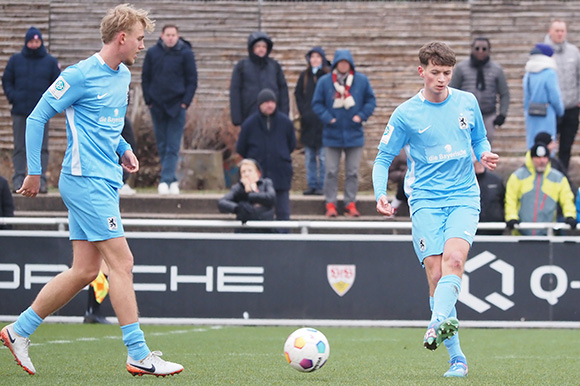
153,365
163,188
126,190
18,345
174,188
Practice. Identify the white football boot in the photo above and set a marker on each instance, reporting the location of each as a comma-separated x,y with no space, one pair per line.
18,345
153,365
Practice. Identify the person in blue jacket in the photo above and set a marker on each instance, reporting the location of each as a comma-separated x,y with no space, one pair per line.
169,81
27,76
541,86
343,100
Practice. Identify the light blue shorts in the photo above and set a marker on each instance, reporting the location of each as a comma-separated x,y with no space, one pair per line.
93,208
432,227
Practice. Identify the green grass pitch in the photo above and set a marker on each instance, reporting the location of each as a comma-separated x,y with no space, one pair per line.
69,354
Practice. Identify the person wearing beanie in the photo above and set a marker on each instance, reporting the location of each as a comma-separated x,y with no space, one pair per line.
484,78
542,98
534,191
343,100
268,137
310,125
169,82
27,76
567,58
254,73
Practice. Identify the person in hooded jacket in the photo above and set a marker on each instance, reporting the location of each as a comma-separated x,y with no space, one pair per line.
169,81
253,74
310,125
343,100
27,76
541,86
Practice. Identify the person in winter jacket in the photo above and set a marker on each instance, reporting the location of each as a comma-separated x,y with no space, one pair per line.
252,198
169,81
310,125
541,86
567,58
253,74
343,100
534,191
484,78
268,137
27,76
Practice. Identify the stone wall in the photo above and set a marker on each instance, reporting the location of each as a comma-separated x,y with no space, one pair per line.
384,37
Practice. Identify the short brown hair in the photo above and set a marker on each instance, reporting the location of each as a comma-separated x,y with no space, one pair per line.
122,18
438,53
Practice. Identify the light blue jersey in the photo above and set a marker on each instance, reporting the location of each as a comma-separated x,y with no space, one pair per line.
94,98
438,138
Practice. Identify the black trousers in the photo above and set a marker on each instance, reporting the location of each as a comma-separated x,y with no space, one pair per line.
567,129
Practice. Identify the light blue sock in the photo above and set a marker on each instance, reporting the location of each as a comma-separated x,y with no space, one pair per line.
27,323
134,339
452,344
445,297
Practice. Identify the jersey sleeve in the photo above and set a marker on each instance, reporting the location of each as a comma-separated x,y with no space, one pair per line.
66,89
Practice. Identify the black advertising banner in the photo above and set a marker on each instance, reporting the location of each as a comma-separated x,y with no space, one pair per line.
307,277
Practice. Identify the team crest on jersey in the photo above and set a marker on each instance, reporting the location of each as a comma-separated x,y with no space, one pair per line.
463,124
112,222
387,134
59,87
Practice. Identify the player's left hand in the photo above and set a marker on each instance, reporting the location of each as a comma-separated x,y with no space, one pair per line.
489,160
129,162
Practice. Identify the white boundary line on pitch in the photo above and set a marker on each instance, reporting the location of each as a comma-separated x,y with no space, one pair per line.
317,322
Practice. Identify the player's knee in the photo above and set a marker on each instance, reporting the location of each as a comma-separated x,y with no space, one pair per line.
455,261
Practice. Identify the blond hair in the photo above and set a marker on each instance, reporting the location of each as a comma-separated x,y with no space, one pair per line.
122,18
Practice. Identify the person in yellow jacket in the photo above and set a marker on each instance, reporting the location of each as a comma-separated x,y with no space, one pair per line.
534,191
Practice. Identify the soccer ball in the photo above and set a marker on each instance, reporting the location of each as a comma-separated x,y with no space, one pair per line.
306,349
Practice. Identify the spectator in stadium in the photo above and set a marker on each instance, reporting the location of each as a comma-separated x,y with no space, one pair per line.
252,198
534,191
343,100
484,78
567,58
89,183
6,202
397,172
310,125
492,197
253,74
442,188
268,137
542,100
169,81
26,76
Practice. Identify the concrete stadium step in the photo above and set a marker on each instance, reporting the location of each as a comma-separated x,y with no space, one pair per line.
190,206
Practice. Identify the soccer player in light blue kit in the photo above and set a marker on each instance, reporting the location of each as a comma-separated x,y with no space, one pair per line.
438,128
93,94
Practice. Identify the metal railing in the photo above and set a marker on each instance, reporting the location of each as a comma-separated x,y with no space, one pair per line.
304,227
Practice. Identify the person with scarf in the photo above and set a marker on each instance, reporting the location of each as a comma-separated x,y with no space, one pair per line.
541,87
310,125
567,58
485,79
27,76
343,100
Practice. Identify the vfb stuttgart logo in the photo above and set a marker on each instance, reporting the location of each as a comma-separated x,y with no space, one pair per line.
507,283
